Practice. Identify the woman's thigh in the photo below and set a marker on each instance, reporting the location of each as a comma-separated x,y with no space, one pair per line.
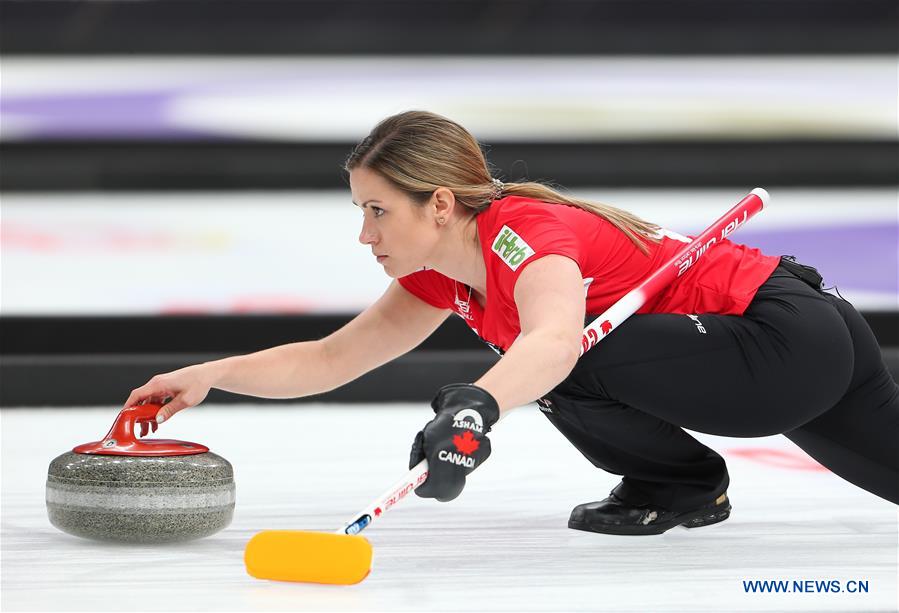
856,438
783,363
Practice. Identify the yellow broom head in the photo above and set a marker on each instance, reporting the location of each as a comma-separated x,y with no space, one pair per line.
309,557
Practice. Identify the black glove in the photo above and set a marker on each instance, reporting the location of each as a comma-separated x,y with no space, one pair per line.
454,442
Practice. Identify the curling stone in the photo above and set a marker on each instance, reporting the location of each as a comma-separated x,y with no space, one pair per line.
140,490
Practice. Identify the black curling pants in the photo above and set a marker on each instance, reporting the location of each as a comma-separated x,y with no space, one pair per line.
798,362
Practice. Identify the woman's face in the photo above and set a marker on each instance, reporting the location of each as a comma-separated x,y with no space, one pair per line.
400,233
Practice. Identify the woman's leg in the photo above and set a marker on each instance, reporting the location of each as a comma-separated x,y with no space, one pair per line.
785,362
858,438
781,365
661,464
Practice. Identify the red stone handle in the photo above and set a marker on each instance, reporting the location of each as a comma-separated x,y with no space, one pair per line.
122,439
123,428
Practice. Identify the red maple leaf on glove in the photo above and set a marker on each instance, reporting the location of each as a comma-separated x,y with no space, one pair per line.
466,443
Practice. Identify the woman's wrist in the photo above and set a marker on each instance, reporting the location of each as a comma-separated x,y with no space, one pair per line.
216,372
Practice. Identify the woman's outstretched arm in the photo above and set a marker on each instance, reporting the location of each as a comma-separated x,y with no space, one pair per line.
393,325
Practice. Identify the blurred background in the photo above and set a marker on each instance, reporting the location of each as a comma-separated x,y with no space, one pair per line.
171,188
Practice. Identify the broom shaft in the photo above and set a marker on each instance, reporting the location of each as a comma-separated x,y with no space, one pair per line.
399,490
631,302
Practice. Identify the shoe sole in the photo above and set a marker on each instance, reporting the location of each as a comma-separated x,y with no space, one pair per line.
694,519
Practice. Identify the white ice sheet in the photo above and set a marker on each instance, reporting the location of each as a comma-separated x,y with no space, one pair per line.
503,545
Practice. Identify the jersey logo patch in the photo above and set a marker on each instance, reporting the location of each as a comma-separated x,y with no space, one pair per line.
511,248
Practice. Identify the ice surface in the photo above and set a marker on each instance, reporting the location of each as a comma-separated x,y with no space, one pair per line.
503,545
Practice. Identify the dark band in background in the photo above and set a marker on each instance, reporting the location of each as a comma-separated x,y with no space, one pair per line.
239,164
66,361
457,27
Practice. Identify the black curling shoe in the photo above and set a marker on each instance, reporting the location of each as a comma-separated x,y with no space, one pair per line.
614,516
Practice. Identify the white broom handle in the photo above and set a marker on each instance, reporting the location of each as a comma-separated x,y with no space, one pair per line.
399,490
626,306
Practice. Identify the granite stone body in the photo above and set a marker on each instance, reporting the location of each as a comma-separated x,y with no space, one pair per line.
140,499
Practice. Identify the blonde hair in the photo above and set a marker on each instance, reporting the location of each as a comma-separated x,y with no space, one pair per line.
418,152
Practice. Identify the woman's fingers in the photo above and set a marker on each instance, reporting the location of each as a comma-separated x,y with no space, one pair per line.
176,404
131,399
141,394
153,391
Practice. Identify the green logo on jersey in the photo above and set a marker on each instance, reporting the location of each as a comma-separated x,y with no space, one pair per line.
511,248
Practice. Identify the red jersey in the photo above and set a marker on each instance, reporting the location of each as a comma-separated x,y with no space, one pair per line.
516,231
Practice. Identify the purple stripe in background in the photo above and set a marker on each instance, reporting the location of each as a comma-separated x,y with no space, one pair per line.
98,115
861,256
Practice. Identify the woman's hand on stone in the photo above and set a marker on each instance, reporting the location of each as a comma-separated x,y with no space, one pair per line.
176,390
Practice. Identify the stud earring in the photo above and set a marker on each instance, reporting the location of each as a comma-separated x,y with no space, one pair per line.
441,220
